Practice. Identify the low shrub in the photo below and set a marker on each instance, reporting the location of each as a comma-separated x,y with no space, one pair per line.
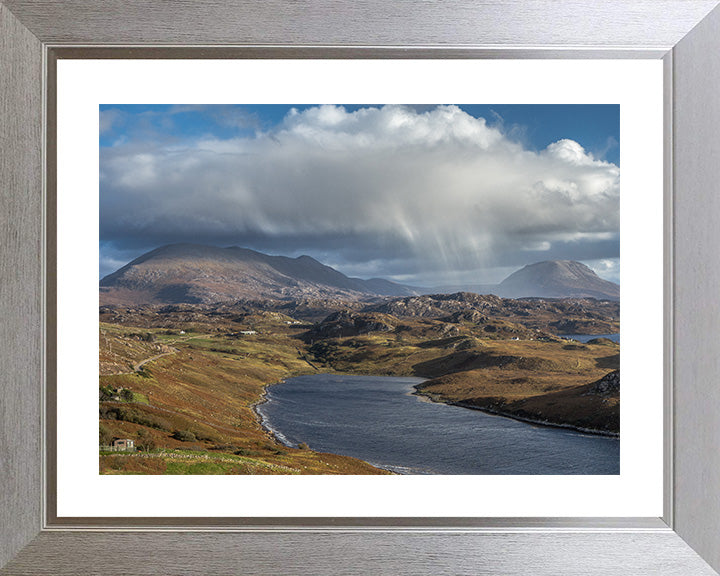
246,452
130,415
106,436
145,441
224,447
184,436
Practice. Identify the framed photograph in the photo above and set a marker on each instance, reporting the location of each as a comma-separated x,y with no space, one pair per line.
350,255
338,206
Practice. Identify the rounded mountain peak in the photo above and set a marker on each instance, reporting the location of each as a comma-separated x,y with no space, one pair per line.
558,279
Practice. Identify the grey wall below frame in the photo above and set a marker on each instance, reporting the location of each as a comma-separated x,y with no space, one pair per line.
358,554
20,285
697,288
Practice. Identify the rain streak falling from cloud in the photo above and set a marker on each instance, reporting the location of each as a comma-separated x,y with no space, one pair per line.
387,191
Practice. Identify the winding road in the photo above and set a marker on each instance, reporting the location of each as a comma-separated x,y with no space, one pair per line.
142,363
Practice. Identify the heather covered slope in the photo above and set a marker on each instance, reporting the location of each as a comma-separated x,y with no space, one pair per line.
181,380
552,383
186,397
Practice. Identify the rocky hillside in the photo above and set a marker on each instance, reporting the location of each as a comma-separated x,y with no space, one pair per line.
347,323
558,316
558,279
196,274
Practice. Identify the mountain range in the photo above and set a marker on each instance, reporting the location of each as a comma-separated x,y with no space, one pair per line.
193,273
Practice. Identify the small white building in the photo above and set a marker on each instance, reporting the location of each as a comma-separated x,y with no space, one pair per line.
122,444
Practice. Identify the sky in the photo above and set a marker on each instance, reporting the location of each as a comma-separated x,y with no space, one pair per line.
426,195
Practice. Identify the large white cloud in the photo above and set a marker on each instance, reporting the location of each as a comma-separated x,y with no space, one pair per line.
430,192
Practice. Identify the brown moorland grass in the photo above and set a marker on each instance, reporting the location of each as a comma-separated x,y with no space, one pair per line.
540,380
547,382
198,416
211,395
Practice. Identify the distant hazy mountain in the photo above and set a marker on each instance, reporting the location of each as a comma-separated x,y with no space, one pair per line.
557,279
193,273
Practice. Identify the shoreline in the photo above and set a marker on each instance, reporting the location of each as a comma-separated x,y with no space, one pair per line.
493,412
277,436
274,435
279,439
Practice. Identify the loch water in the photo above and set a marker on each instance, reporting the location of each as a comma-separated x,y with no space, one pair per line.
587,337
381,421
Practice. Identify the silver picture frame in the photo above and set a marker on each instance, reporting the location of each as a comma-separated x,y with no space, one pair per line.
685,34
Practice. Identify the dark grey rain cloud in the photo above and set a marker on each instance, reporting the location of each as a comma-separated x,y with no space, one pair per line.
387,191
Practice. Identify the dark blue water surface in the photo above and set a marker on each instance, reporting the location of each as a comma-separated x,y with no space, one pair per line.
587,337
379,420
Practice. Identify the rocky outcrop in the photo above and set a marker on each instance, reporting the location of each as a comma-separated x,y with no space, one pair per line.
347,323
608,385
